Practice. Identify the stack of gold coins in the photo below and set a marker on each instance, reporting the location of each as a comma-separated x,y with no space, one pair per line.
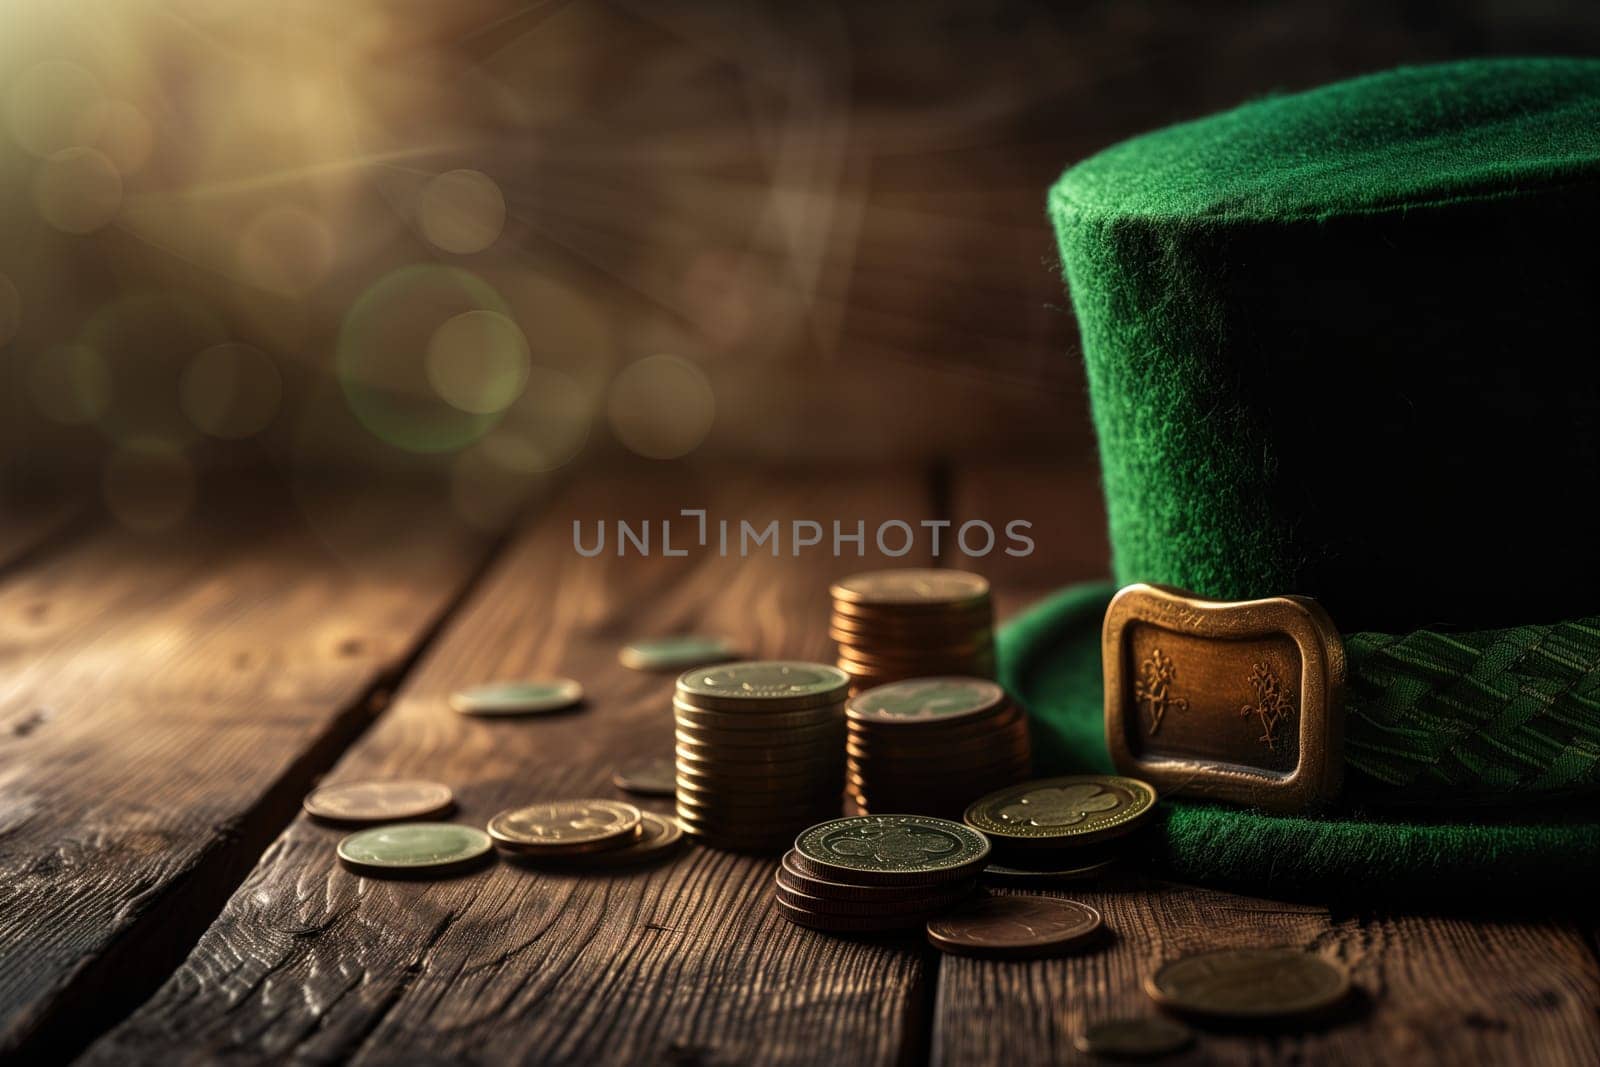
584,833
1061,829
910,623
878,872
933,745
760,751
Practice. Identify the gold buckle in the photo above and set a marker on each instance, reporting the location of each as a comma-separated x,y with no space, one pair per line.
1235,701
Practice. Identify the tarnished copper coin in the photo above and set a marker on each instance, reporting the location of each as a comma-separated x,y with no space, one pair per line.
1014,927
912,587
652,776
1249,984
379,801
1073,810
566,827
1140,1037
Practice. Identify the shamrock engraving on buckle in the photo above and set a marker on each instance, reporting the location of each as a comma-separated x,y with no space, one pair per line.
1234,701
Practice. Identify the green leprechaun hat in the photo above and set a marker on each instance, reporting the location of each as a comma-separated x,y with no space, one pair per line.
1342,344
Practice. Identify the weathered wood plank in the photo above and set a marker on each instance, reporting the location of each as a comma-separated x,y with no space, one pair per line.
1434,989
686,962
163,704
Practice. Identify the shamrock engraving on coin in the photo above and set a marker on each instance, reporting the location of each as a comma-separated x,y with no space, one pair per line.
566,826
518,698
1071,810
926,700
413,847
1249,984
1138,1037
771,685
378,801
675,653
890,849
1014,927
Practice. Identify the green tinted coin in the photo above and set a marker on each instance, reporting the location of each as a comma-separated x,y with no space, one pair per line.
922,700
518,698
1137,1038
890,850
763,685
1074,810
675,653
414,846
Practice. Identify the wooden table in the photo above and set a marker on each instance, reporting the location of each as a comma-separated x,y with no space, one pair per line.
167,702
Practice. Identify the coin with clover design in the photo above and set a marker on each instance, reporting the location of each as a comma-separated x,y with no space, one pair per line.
565,827
1078,809
890,850
921,700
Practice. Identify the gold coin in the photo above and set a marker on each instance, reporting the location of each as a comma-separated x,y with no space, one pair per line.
658,835
1073,810
763,685
1249,984
932,902
378,801
566,826
912,587
758,721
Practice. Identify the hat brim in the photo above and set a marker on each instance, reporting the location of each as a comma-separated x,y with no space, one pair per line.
1050,662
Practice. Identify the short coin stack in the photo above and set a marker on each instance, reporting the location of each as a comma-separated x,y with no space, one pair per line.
912,623
933,745
1060,829
760,751
567,829
869,873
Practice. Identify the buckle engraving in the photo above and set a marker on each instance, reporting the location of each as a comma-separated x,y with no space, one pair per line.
1233,701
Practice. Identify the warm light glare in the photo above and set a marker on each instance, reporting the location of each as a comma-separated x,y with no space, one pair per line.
478,362
662,407
462,211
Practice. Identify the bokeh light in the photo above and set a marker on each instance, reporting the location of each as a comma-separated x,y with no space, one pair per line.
661,406
77,190
231,390
10,310
382,357
286,250
148,485
121,131
53,106
545,428
478,362
70,384
461,211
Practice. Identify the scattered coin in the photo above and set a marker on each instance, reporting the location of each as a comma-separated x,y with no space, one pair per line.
1004,874
1075,810
658,835
414,846
566,827
653,776
379,801
675,653
518,698
1014,927
1135,1038
890,850
1249,984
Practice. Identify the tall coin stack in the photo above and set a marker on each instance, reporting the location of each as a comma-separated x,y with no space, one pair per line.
933,745
760,751
912,623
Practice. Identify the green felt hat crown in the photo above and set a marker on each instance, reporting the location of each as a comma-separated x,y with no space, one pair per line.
1342,344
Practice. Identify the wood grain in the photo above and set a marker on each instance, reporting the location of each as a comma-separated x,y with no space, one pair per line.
165,702
684,963
1432,989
